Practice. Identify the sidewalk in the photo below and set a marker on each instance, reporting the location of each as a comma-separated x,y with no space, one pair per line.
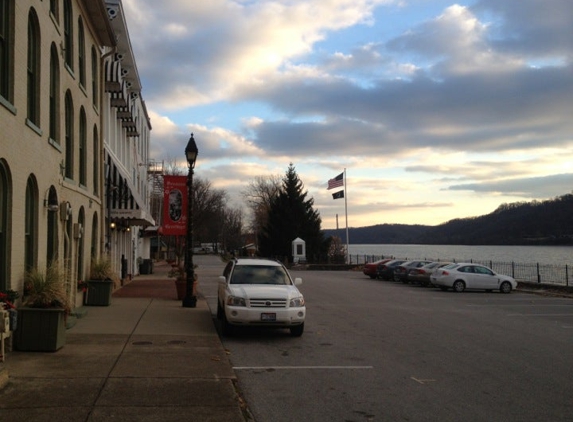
143,358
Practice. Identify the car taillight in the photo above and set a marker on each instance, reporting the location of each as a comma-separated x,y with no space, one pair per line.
445,273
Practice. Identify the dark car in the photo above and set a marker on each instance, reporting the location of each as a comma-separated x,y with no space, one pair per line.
422,275
371,268
401,271
386,271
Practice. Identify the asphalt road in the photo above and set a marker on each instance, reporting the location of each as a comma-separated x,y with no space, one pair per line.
384,351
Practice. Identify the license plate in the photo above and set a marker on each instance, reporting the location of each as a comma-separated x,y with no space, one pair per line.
268,317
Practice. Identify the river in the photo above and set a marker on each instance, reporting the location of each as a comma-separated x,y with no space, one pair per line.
551,255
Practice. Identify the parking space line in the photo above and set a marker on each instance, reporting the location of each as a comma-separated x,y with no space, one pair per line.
246,368
543,315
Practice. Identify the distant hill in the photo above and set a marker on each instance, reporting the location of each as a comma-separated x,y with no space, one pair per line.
547,222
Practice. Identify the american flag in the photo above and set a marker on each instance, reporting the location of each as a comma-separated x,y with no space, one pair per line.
336,182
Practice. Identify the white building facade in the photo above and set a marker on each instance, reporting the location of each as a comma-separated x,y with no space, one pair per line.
70,163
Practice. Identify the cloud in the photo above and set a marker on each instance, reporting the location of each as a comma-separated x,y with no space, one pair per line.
531,187
475,98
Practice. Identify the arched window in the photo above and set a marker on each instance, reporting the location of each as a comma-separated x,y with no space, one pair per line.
52,240
69,118
83,148
31,224
54,94
96,161
95,76
95,237
68,35
54,10
6,48
5,207
81,52
80,239
33,69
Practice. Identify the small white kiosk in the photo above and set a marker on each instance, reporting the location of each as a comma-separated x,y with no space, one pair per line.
299,251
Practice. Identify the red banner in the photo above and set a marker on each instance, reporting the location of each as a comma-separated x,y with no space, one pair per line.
175,205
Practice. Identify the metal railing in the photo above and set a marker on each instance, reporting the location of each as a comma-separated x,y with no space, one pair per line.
560,275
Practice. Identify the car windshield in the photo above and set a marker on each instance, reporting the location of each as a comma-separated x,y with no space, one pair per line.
259,274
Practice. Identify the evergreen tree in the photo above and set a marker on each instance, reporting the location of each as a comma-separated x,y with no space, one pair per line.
291,215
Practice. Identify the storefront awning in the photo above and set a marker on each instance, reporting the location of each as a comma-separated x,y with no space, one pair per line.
138,214
136,217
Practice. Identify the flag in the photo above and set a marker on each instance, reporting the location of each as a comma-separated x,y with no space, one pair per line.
338,195
336,182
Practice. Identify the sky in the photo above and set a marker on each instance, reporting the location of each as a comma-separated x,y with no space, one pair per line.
434,109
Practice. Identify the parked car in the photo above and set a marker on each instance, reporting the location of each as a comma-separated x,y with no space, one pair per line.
462,276
371,268
402,270
422,274
259,292
386,271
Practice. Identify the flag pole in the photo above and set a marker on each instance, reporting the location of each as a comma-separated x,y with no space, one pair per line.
346,213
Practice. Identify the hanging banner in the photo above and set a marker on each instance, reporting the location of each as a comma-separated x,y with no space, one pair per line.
175,205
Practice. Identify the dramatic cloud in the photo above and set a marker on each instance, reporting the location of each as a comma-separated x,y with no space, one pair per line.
437,110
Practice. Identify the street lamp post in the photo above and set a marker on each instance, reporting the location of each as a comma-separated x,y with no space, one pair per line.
190,300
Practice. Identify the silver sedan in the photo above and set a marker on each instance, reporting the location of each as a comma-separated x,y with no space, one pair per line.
462,276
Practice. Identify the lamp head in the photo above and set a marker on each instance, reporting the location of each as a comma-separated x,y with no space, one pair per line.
191,152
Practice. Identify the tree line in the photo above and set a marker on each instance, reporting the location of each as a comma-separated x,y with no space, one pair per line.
279,211
547,222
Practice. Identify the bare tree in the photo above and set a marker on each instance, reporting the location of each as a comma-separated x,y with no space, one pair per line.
209,206
259,194
232,230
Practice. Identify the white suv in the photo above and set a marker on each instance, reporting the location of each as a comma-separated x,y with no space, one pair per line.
259,292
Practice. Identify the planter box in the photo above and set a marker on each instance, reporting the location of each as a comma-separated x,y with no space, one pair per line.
40,330
98,293
181,286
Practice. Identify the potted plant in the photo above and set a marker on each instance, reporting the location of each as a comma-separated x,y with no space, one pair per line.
42,316
100,285
180,275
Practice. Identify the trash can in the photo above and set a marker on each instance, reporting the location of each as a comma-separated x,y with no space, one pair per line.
146,267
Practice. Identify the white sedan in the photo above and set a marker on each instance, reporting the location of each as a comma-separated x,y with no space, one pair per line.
259,292
462,276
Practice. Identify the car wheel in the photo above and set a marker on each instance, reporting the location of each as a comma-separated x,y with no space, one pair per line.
297,330
505,287
459,286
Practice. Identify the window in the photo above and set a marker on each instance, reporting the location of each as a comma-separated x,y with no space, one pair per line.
31,224
69,119
6,46
52,233
54,94
95,233
83,148
96,157
82,53
95,86
33,69
54,9
80,247
4,207
68,34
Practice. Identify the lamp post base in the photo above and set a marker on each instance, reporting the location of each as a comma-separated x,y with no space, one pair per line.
190,302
